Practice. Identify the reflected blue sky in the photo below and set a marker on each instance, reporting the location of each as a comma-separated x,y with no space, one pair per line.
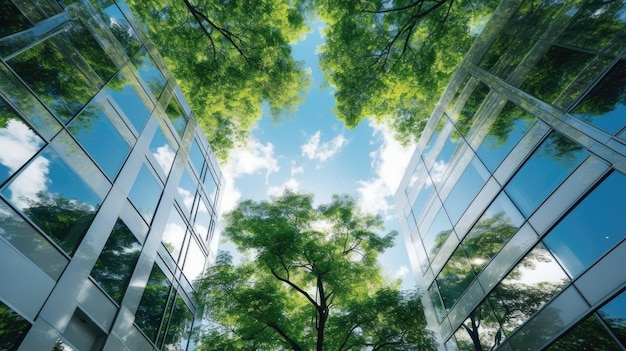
145,193
466,188
162,151
129,101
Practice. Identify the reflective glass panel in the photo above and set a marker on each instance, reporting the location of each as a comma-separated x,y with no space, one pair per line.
19,142
532,283
614,314
54,198
117,261
12,20
118,24
210,186
466,189
187,191
174,234
455,277
494,228
162,151
177,117
554,72
91,51
549,165
13,328
505,54
203,220
480,331
194,261
421,199
433,138
437,234
153,303
127,98
442,161
605,105
95,132
433,291
149,72
507,129
592,228
20,234
57,81
196,156
466,115
179,326
145,193
589,335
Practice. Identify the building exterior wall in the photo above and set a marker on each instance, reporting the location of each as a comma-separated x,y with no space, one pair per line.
108,188
511,206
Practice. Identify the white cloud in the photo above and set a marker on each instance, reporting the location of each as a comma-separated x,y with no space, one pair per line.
296,169
389,163
314,150
401,272
34,179
291,184
165,157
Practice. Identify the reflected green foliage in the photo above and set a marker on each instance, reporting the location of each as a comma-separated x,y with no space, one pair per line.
117,261
230,58
391,60
312,282
91,51
11,18
153,303
487,238
589,335
12,328
176,116
466,115
505,124
179,325
455,277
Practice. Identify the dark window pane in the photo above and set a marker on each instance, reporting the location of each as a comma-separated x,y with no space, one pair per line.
589,335
179,326
177,117
455,277
55,199
54,77
19,142
533,17
503,135
614,314
492,231
532,283
505,54
149,72
153,303
466,189
605,105
174,234
12,19
13,328
554,72
145,193
95,132
550,164
117,261
592,228
91,51
436,234
126,97
118,24
470,107
484,326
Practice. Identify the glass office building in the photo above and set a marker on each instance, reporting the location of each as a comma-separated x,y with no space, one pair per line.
108,188
512,205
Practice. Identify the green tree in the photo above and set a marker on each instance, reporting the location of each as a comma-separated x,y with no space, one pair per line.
230,58
313,283
391,60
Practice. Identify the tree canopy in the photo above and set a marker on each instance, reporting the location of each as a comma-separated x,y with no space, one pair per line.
311,282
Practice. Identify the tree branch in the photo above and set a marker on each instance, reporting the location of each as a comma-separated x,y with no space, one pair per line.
282,333
295,287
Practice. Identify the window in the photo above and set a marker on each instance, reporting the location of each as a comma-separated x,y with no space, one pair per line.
177,117
202,223
12,20
149,72
121,89
437,234
550,164
505,54
55,199
118,24
194,261
117,261
614,314
93,126
210,187
433,291
153,303
91,51
590,334
179,326
187,191
591,228
466,116
482,323
174,234
421,199
455,277
162,151
465,190
12,329
145,193
196,156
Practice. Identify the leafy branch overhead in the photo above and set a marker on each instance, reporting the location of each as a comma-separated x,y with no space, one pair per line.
312,282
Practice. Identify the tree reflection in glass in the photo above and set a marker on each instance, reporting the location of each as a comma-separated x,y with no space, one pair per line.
466,115
149,72
480,331
126,97
455,277
588,335
119,26
91,51
153,303
178,327
117,261
437,234
12,20
177,117
614,314
13,328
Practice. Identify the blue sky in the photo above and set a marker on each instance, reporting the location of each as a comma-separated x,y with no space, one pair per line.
314,153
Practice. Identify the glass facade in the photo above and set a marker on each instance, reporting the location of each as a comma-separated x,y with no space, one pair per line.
514,196
109,191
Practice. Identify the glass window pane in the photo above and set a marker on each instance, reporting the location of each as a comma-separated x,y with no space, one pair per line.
149,72
202,224
437,234
210,187
455,277
54,198
194,261
187,191
196,156
57,81
503,135
12,20
117,261
91,51
126,97
13,328
174,234
119,26
433,138
549,165
466,115
480,331
177,117
614,314
162,150
19,142
532,283
145,193
466,189
433,291
505,54
496,226
592,228
605,105
179,326
153,303
93,126
588,335
443,158
20,234
421,199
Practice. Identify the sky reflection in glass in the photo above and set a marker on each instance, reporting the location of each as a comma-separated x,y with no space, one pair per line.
145,193
466,189
122,91
162,150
